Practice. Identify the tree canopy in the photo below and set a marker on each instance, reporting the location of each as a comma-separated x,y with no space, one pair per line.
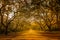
22,15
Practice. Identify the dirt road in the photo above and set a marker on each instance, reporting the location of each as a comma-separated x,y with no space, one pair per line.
34,35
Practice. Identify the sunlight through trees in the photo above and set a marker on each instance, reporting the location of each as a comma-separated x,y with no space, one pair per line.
20,15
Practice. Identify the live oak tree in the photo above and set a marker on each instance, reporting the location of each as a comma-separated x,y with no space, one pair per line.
21,14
